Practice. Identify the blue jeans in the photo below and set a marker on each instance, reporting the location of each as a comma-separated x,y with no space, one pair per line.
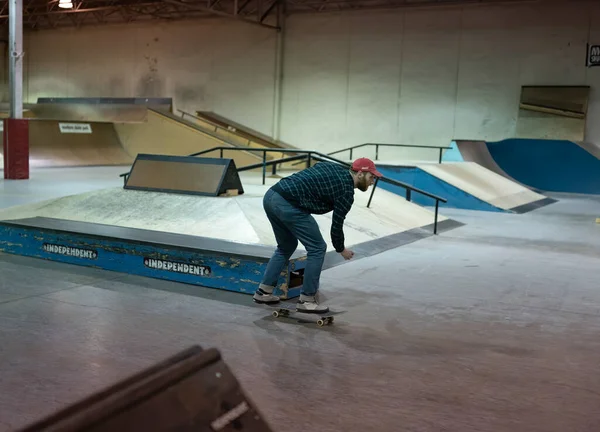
291,224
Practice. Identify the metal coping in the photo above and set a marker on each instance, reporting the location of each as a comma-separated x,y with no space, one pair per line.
143,236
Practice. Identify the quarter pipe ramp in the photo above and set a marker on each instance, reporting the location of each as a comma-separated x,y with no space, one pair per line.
70,135
543,165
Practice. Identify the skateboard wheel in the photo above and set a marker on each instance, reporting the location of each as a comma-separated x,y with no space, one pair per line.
321,323
275,314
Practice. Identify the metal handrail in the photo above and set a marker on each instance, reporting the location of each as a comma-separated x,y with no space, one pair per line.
309,156
184,113
350,149
248,136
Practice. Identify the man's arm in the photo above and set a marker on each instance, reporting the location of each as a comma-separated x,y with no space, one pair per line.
340,209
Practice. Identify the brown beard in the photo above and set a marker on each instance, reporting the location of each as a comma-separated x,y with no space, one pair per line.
362,184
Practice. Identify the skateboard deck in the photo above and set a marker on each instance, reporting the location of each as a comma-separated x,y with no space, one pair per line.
288,310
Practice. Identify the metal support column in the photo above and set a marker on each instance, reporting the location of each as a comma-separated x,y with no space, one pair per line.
15,42
279,50
16,129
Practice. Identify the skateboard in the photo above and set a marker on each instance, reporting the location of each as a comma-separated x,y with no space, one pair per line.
285,311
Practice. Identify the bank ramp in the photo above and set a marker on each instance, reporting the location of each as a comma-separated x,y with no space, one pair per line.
466,185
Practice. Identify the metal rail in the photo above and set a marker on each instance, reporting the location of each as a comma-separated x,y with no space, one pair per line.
377,145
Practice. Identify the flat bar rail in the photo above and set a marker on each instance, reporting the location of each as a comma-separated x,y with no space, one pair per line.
377,145
310,156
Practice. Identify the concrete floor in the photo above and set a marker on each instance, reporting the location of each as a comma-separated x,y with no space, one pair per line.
489,327
46,183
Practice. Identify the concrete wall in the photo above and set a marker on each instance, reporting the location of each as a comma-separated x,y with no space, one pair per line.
425,77
418,77
212,65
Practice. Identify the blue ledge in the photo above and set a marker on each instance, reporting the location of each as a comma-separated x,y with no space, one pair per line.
192,260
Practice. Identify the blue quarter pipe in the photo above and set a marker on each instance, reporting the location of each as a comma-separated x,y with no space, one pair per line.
544,165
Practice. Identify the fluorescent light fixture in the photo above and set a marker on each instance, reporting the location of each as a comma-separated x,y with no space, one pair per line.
65,4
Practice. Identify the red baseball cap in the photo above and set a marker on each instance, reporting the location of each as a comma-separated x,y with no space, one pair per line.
365,164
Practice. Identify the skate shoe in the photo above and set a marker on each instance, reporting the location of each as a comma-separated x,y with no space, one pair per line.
264,295
309,304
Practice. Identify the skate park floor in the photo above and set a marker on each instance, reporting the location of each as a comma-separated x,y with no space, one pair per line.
491,326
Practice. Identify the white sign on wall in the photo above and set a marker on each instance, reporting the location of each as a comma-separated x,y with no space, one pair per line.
75,128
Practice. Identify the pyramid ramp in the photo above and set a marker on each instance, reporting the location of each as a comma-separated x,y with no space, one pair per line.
222,242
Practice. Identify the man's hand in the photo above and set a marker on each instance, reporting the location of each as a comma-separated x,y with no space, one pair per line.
347,254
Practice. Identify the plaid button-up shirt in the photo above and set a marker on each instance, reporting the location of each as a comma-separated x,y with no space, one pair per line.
320,189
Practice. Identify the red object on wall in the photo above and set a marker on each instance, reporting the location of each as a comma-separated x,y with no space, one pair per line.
16,149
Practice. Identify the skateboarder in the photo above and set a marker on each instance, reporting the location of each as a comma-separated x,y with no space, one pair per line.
289,205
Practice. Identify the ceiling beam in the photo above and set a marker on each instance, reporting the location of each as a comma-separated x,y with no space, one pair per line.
38,14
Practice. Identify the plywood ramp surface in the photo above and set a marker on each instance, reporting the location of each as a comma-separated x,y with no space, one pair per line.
221,131
483,183
119,144
238,219
478,152
229,136
164,135
49,147
211,119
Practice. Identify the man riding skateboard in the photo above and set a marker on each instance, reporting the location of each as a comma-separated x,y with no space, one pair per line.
289,205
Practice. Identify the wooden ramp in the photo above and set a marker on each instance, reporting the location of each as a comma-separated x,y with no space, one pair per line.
54,143
69,135
193,390
166,134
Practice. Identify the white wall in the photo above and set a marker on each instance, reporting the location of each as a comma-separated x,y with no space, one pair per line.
427,76
418,77
217,65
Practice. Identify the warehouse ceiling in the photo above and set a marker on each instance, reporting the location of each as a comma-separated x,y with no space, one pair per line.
48,14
